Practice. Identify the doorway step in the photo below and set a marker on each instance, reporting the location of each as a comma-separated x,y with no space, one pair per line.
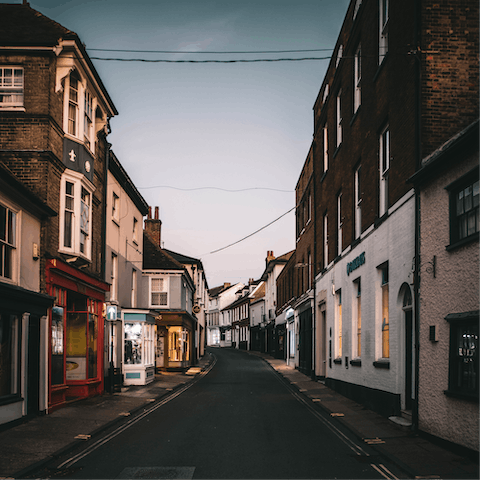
404,421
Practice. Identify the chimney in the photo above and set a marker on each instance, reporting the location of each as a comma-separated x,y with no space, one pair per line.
270,256
250,281
226,285
154,226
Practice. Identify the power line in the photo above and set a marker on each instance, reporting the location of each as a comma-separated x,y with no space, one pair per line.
248,236
216,188
178,52
257,60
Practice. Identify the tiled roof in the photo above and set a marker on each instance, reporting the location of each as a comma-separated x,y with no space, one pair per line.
155,258
21,25
182,258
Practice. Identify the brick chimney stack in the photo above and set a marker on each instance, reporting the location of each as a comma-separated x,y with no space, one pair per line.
153,226
270,256
227,285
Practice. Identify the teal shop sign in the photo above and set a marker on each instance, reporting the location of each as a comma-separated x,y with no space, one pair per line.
355,263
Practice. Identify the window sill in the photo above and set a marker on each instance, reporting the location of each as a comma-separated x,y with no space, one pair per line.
380,220
355,115
471,397
9,399
12,109
382,364
462,242
337,361
356,362
323,176
335,153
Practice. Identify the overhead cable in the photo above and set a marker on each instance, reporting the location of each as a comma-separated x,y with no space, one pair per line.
256,60
178,52
216,188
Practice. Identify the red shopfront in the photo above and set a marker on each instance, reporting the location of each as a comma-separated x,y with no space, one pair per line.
76,334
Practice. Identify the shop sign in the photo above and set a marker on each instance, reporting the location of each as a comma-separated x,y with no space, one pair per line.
355,263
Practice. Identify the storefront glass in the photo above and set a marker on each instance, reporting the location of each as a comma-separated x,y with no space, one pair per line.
179,344
57,345
9,348
133,343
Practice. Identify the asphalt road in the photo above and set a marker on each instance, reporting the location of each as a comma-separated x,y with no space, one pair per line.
241,420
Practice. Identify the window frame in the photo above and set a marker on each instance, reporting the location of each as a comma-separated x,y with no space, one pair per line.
79,182
339,225
13,90
383,17
165,289
325,240
466,321
469,179
339,119
14,356
384,169
357,79
358,202
9,244
325,148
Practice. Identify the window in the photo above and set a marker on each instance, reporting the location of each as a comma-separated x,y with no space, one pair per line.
463,358
309,285
158,292
73,105
358,202
325,241
383,30
134,289
325,148
338,300
357,96
11,87
114,278
135,230
115,207
88,120
76,214
325,93
339,118
9,354
384,169
358,3
385,320
358,317
8,220
339,224
133,343
339,55
464,208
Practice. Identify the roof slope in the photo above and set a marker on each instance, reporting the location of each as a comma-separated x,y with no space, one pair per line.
182,258
155,258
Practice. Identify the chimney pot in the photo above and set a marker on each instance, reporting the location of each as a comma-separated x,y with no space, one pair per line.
156,213
149,213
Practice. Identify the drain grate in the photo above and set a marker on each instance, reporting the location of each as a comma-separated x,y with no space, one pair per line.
184,473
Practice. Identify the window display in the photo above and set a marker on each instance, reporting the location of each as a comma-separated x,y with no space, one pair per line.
133,343
9,347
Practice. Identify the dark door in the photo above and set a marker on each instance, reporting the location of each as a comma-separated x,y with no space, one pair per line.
408,359
33,369
305,342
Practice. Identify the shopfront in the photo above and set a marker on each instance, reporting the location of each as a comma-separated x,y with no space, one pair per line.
76,334
139,347
177,337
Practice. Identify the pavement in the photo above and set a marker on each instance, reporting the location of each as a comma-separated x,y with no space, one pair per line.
28,446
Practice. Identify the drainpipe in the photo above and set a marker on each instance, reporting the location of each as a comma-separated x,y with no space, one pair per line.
314,264
418,160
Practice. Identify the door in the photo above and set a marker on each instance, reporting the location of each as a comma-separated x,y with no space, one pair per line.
408,359
305,342
33,375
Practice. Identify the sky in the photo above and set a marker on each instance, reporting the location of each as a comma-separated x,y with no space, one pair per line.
188,134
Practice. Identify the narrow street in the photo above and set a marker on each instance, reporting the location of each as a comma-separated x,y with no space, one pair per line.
239,421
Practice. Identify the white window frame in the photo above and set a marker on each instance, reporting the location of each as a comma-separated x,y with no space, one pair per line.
358,4
325,148
339,118
10,244
357,96
383,13
339,55
79,181
358,201
339,225
325,93
384,168
13,91
114,278
357,318
165,289
325,240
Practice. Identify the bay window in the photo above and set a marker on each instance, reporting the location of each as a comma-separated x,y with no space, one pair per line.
7,242
76,214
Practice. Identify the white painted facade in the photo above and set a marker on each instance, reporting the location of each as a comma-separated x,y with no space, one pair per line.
392,241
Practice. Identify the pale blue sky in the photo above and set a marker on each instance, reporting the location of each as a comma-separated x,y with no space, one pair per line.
230,126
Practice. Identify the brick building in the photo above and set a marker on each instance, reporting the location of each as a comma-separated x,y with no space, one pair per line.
403,79
54,115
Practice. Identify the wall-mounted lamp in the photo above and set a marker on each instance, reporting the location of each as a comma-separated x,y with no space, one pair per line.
36,251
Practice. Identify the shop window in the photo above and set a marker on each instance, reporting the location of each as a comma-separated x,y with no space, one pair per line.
464,208
57,336
383,30
8,223
11,88
9,354
385,312
76,215
133,343
338,300
81,337
358,316
179,344
158,292
384,148
463,357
